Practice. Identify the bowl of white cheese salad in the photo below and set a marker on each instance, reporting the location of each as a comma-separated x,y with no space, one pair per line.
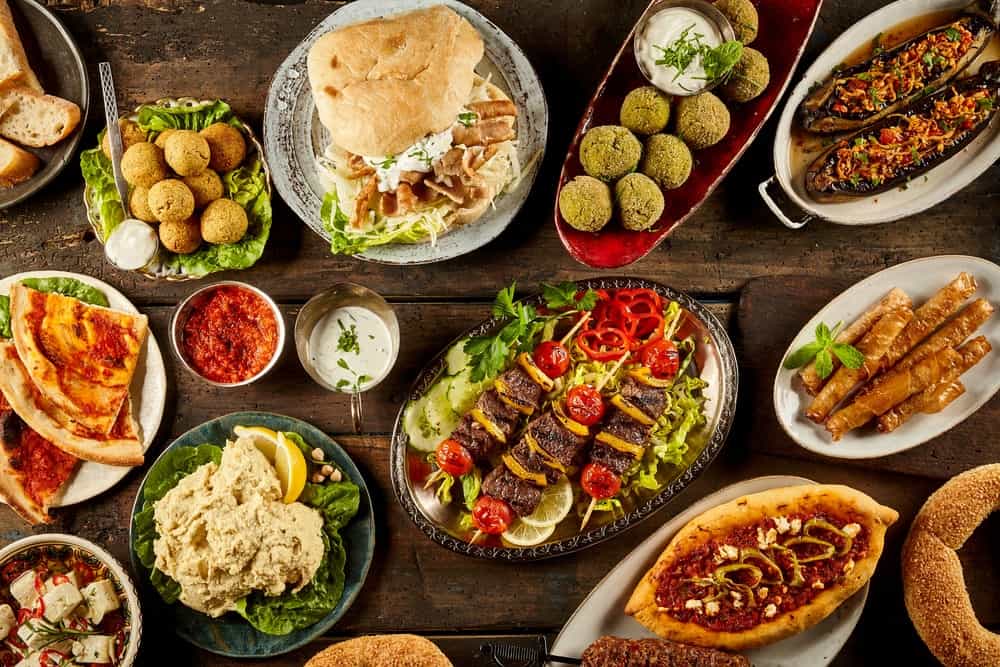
66,601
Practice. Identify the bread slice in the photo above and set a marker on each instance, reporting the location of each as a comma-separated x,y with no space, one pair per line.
14,66
16,164
35,119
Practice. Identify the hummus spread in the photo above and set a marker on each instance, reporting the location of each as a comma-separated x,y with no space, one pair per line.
224,532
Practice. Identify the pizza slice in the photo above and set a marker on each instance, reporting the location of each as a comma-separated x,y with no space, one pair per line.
121,446
81,357
33,471
762,567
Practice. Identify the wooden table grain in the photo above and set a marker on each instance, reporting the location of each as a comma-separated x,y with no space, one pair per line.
230,49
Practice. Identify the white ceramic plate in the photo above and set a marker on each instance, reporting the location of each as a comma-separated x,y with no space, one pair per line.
919,278
294,136
149,395
941,182
602,612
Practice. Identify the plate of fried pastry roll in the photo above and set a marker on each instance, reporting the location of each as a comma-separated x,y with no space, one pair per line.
894,361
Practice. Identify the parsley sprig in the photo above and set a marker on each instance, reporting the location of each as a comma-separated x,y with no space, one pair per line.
717,61
823,349
490,354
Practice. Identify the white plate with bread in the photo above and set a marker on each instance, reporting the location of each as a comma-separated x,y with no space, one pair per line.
44,98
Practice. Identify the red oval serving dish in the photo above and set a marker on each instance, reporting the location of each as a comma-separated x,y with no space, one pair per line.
785,26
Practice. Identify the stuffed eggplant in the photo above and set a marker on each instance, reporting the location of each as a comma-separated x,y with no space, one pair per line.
858,96
907,144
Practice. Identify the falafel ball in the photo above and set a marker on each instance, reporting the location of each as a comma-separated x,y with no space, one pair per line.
667,160
131,135
645,110
228,147
171,201
186,152
585,203
743,17
224,221
640,201
206,187
143,164
182,237
749,77
702,120
161,138
608,152
138,203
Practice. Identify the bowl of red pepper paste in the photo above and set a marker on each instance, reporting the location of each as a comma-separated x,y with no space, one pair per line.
229,333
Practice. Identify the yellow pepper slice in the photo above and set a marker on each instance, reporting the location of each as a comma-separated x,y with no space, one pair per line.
621,445
515,467
490,427
535,373
547,458
631,410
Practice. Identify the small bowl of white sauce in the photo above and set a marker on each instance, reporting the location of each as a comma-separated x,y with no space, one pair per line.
347,339
671,43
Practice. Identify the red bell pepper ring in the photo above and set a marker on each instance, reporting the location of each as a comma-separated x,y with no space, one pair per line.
604,344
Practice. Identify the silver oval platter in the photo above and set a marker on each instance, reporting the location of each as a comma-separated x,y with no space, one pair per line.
922,192
603,611
294,136
715,361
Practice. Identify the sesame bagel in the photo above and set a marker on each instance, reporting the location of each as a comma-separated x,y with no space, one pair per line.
933,582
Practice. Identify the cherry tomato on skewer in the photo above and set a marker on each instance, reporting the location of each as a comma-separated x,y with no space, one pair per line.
453,457
492,516
599,482
662,359
585,404
552,358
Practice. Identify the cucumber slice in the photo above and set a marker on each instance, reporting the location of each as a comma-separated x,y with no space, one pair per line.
463,392
456,359
438,413
422,436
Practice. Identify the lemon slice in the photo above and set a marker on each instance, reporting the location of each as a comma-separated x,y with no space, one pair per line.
291,467
263,438
556,502
521,534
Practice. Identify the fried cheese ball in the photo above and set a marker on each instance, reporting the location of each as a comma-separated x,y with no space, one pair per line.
131,134
608,152
224,221
667,160
749,77
138,203
182,237
645,110
640,201
171,201
227,145
742,16
143,165
206,187
161,138
702,120
186,152
585,203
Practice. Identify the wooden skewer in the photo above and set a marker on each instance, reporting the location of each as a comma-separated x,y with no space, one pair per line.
475,536
576,327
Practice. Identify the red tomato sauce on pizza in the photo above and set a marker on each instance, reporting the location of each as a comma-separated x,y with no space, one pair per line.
760,571
231,335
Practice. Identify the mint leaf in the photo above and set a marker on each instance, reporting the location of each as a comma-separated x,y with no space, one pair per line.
824,363
823,333
803,355
849,355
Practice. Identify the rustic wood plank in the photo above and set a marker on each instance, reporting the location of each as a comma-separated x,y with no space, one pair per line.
771,312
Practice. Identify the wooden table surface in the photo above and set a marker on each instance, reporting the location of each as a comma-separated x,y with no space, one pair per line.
229,49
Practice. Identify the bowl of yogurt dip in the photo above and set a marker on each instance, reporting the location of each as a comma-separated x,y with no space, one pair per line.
347,339
673,43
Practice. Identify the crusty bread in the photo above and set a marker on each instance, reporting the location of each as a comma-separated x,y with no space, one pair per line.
16,164
381,85
14,67
934,587
35,119
381,651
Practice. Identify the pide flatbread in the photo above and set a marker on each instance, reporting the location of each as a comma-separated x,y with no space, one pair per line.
81,357
763,567
381,85
33,471
121,446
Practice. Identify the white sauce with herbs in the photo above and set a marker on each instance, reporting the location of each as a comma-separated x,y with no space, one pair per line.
350,347
666,30
132,245
419,157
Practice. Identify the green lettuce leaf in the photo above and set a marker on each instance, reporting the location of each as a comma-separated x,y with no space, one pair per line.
347,241
5,331
154,118
65,286
165,475
96,168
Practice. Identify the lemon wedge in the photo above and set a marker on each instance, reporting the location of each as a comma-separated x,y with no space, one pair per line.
263,438
556,502
521,534
291,467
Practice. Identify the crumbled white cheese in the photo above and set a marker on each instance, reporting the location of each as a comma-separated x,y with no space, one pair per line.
762,592
764,540
737,604
736,595
796,525
852,529
848,566
729,552
421,157
711,608
770,610
782,524
818,585
692,604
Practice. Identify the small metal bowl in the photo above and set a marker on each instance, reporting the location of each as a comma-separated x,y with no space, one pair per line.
706,9
196,298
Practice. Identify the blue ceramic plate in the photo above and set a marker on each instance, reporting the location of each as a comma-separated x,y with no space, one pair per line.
230,635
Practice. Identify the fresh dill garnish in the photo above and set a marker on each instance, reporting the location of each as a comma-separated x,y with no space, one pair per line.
682,52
